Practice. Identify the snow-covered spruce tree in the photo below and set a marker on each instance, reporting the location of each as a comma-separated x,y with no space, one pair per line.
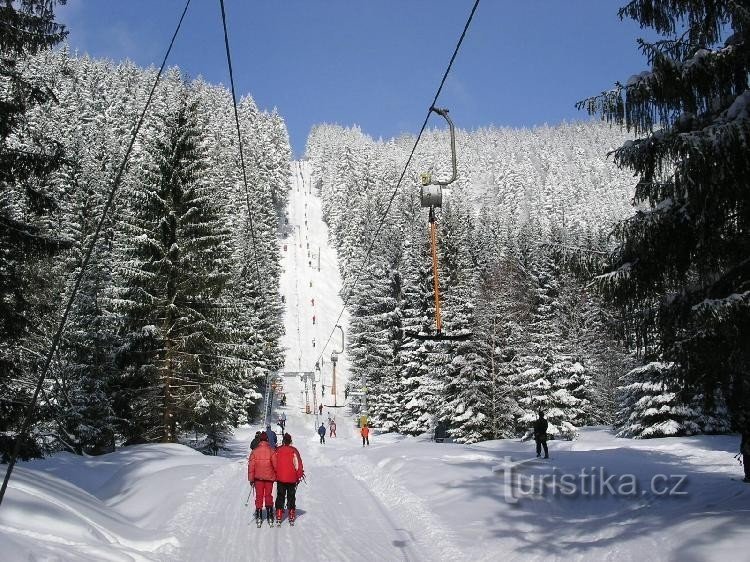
551,378
503,310
688,246
467,389
371,330
27,204
82,402
415,400
176,263
650,406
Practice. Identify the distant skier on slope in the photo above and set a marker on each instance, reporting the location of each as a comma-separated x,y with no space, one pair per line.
282,422
322,433
313,319
365,432
261,475
540,435
320,408
287,463
272,439
332,428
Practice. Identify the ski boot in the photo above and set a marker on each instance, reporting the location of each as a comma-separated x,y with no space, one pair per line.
292,516
259,518
279,516
269,516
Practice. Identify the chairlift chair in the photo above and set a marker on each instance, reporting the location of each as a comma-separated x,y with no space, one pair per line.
431,196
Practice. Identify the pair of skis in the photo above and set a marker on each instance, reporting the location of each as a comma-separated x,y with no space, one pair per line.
259,522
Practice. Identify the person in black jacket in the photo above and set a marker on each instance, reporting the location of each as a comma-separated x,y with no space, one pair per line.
255,441
745,450
540,435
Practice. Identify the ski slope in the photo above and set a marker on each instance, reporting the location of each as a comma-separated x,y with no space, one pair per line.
401,498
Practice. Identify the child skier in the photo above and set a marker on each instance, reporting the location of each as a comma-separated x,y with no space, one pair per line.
365,435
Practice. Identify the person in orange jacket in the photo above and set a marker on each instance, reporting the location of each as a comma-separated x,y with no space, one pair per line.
289,471
365,435
262,475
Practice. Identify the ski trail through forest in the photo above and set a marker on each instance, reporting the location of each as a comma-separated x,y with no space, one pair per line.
346,510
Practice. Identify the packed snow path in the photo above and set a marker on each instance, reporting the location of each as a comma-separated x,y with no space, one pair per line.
339,517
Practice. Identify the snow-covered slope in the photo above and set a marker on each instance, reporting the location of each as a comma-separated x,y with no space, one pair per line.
399,499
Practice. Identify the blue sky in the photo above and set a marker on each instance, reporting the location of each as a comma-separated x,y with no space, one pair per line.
378,63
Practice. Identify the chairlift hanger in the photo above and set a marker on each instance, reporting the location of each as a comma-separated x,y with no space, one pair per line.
431,195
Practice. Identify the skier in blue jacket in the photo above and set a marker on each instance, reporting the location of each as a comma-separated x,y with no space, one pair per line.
322,433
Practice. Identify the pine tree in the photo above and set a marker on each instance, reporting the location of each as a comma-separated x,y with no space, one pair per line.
179,263
687,247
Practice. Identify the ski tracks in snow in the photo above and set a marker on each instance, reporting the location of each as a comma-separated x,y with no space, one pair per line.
417,522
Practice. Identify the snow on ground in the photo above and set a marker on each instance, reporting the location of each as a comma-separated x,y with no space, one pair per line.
402,498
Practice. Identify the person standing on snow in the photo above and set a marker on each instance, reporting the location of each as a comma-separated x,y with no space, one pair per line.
365,432
322,433
320,408
745,450
255,441
289,471
540,435
332,428
272,439
261,475
282,422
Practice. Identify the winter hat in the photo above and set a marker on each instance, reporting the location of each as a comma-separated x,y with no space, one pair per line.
264,436
287,439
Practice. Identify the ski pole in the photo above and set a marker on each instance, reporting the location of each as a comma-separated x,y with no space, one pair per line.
252,489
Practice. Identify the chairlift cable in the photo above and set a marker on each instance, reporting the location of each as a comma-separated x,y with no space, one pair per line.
403,174
239,140
84,265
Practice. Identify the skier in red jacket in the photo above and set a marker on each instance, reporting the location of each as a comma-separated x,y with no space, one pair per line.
289,471
261,474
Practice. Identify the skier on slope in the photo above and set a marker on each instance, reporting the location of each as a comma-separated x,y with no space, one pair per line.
282,422
261,475
322,433
540,435
272,439
332,428
289,471
320,408
365,432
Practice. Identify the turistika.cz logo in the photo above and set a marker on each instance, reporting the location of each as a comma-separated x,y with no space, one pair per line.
588,482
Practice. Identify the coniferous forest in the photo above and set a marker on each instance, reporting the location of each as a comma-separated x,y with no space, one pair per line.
171,333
